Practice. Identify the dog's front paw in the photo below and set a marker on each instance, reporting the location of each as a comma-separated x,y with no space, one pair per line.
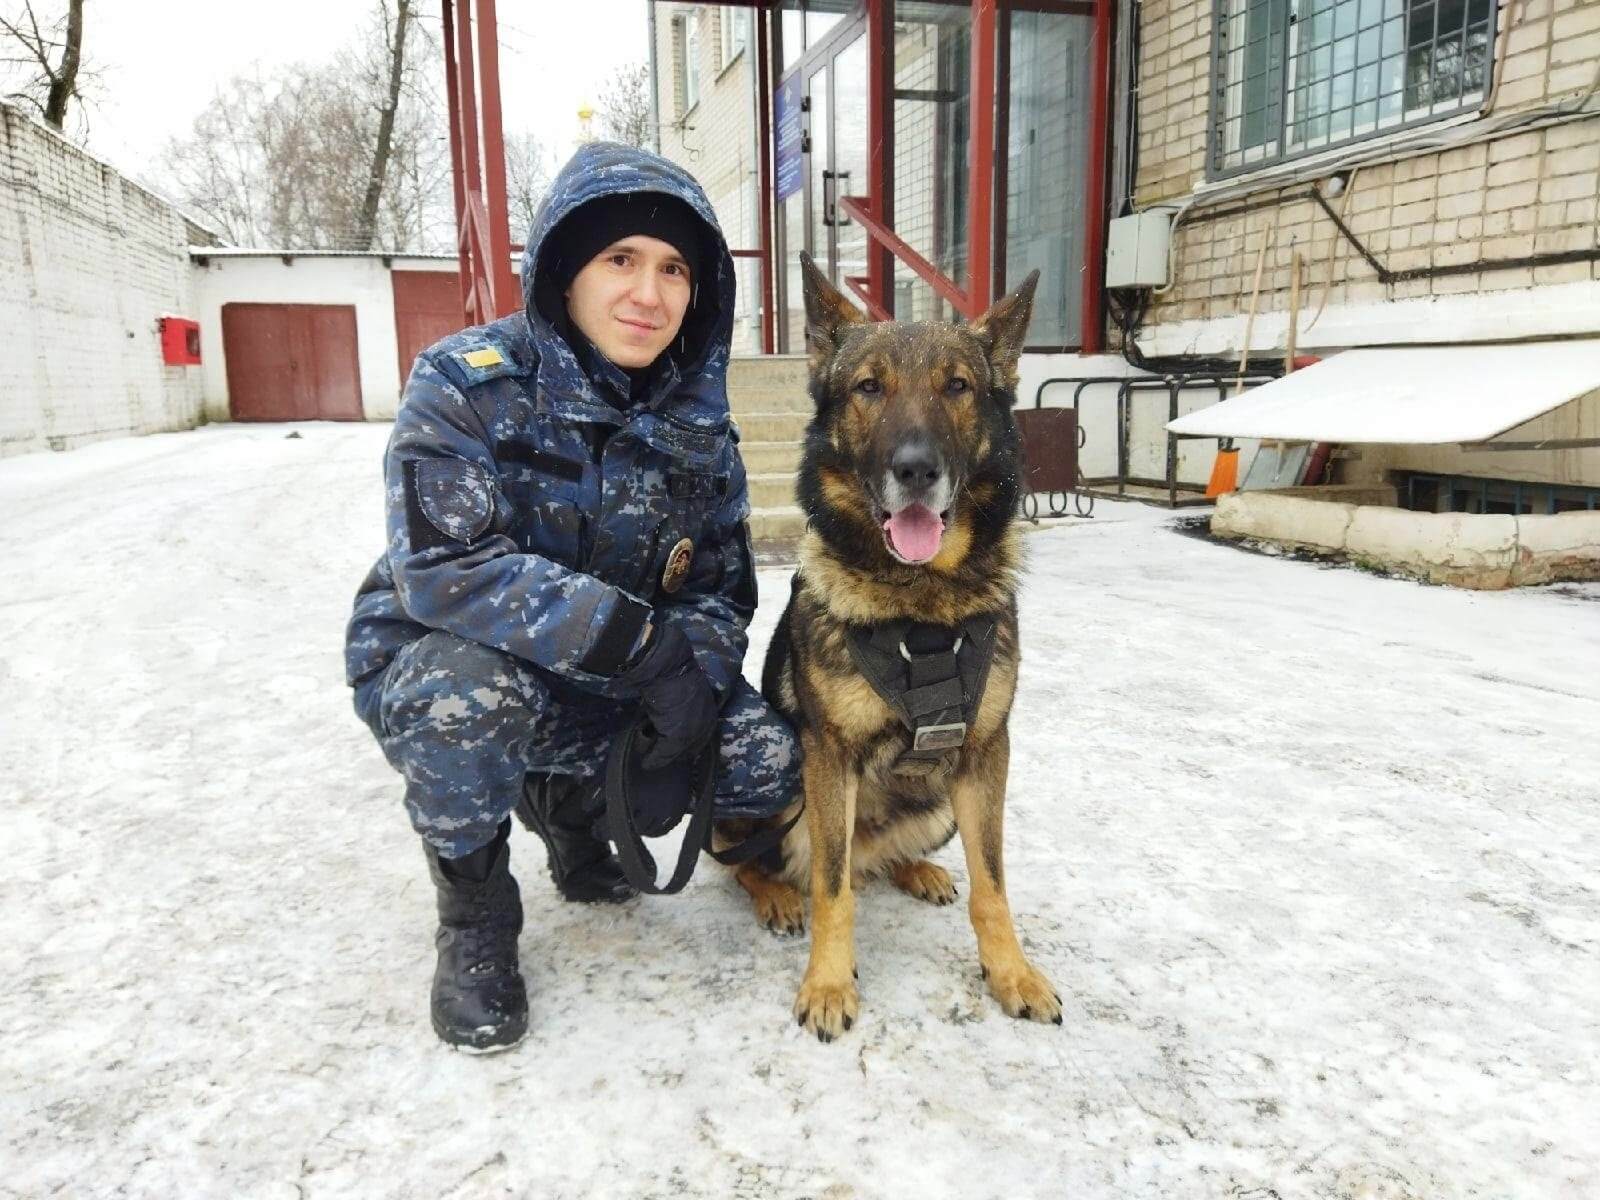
1023,991
926,881
827,1007
781,909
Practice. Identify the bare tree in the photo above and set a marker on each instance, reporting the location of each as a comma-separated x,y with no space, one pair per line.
625,106
220,169
528,176
395,32
338,157
44,65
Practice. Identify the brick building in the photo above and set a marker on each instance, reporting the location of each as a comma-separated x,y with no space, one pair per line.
89,264
1427,169
1459,144
97,275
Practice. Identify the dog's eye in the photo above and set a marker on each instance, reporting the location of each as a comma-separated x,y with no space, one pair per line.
955,385
869,387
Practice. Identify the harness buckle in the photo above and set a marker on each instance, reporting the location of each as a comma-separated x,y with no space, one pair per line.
940,737
956,649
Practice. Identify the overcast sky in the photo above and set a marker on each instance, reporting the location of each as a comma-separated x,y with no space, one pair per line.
162,62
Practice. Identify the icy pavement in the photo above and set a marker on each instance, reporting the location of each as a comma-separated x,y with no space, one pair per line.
1310,855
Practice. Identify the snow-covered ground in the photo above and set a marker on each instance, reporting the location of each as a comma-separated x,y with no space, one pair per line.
1310,855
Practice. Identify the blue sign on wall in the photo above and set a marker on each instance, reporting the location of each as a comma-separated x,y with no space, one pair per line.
791,139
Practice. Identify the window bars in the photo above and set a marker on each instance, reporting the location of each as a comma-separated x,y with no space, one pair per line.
1290,77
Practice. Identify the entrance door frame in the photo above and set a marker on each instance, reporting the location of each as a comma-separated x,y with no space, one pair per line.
823,58
991,117
815,59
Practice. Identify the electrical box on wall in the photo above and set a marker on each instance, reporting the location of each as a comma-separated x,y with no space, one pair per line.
1136,250
180,342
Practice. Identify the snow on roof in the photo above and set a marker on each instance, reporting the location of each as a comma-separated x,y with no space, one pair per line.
266,252
1415,395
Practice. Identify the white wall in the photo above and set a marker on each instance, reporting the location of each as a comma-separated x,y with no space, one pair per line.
359,280
89,262
1148,412
1551,310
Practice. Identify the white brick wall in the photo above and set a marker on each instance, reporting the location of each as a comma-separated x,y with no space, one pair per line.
88,264
715,142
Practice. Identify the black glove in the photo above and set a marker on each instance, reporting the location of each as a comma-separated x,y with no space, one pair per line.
676,696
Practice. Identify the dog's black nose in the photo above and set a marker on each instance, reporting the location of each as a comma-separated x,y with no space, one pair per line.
916,465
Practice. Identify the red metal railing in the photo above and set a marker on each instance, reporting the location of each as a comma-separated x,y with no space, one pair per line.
858,209
489,288
873,288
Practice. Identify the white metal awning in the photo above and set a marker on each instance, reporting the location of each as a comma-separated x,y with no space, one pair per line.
1407,395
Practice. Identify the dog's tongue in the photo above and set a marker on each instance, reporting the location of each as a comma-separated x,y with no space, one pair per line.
914,532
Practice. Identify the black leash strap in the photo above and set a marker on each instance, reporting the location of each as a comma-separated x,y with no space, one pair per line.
637,862
757,843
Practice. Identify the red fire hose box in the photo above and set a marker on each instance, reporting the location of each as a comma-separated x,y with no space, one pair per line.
180,342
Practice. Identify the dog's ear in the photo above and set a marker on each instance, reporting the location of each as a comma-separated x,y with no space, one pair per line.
827,311
1004,328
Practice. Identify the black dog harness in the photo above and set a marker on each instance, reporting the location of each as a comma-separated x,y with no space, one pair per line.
933,677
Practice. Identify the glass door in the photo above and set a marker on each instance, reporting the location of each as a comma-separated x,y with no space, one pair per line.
836,90
834,153
849,143
819,170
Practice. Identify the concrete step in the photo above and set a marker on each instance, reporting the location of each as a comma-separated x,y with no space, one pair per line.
763,458
774,489
776,524
772,427
768,383
768,370
744,399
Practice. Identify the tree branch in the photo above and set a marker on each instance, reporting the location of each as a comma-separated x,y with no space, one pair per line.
35,45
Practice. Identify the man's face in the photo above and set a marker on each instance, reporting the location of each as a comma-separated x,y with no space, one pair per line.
629,299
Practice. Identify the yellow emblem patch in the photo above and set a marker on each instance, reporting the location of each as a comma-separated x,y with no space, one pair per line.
487,357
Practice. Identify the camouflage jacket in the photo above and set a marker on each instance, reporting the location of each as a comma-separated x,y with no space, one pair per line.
502,527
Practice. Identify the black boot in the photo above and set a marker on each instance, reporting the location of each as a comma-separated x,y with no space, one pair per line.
479,999
561,810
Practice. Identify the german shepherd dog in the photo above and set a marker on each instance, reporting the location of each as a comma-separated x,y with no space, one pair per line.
909,480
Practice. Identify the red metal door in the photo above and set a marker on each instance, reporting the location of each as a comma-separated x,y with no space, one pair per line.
291,362
427,306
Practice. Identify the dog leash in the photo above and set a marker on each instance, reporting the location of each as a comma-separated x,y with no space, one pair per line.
621,793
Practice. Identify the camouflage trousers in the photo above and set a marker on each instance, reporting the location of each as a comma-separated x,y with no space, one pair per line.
464,723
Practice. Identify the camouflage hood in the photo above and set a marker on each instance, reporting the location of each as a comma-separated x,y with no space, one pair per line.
694,385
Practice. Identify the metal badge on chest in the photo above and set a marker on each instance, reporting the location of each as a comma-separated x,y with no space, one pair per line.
677,568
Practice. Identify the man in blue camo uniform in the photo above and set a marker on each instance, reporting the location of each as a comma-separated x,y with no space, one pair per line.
568,547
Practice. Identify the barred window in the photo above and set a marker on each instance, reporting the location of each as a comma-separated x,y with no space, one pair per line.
1294,76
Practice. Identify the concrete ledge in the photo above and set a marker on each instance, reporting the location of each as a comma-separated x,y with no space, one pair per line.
1292,520
1460,549
1456,548
1385,494
1554,549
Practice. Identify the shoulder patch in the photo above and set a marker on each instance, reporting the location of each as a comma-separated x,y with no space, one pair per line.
489,356
476,362
448,501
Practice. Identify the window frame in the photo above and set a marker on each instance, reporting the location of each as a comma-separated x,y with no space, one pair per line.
1226,161
689,97
733,35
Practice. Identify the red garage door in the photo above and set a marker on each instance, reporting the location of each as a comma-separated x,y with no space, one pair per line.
291,362
427,306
